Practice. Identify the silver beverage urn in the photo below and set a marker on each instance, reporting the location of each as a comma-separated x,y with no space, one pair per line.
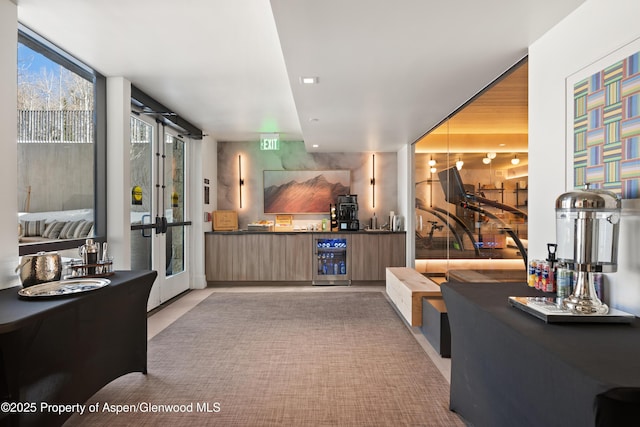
587,227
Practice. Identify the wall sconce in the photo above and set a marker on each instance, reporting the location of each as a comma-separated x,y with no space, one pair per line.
372,181
432,162
459,163
240,179
486,160
515,160
433,170
491,155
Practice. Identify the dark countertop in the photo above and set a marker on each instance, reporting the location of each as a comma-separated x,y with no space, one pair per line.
240,232
508,365
16,311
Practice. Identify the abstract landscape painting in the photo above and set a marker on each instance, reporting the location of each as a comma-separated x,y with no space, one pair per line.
303,192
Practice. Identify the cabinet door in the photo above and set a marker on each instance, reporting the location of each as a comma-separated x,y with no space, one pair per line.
266,257
364,257
253,245
219,257
297,257
238,251
392,252
252,256
278,256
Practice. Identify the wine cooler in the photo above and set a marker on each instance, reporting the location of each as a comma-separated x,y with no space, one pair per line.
331,261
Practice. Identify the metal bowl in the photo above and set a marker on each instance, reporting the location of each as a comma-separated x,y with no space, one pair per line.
39,268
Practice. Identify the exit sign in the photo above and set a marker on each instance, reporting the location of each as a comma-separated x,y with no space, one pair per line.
270,142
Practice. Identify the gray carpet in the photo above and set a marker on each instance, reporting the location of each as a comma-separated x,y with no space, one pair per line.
282,359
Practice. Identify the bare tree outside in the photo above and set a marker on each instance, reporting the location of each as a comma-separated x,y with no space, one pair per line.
55,108
51,86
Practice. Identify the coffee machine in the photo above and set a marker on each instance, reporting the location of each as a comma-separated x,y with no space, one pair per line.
348,213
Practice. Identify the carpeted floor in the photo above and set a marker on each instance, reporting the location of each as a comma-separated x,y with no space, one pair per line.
281,359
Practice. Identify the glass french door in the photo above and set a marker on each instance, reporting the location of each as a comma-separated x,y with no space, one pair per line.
159,231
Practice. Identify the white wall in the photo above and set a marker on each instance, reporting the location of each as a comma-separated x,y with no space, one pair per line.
203,165
406,196
594,30
118,172
210,172
8,148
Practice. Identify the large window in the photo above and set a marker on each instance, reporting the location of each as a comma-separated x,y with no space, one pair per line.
61,148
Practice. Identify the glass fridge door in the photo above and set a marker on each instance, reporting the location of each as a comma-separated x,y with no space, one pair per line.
331,266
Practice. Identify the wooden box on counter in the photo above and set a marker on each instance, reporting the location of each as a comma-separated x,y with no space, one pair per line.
284,223
225,220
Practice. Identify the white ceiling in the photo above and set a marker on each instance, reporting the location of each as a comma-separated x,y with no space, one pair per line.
388,70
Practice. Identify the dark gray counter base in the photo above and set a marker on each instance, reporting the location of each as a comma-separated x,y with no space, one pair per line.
435,325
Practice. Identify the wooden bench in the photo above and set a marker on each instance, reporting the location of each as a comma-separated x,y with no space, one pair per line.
406,288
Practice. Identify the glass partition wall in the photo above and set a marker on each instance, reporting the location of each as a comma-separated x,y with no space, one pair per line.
471,183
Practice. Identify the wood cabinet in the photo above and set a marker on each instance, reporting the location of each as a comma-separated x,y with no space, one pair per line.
364,256
288,257
298,257
393,252
257,257
372,253
219,256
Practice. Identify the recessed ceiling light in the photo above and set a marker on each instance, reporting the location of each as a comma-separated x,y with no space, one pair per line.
308,80
314,119
315,145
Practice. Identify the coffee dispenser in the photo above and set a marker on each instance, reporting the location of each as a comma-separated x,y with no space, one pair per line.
348,213
587,227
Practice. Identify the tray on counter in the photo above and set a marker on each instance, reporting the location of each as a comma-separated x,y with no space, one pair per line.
547,309
63,288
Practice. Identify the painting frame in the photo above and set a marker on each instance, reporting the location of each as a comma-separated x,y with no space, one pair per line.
303,191
603,124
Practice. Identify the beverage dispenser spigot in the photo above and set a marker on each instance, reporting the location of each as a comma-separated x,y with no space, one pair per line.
587,227
552,248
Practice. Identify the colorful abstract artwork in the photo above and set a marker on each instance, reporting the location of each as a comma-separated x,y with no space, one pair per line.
606,128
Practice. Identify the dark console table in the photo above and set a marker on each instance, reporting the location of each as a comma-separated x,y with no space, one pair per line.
509,368
63,350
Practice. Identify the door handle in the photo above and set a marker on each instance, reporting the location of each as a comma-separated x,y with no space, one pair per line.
158,225
144,229
161,225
